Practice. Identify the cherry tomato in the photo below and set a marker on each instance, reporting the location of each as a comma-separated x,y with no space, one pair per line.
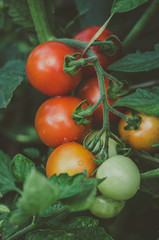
112,144
103,207
70,158
90,90
122,178
44,69
85,36
54,124
145,136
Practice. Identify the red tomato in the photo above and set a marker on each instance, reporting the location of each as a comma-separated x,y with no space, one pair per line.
90,90
44,69
85,36
145,136
54,124
70,158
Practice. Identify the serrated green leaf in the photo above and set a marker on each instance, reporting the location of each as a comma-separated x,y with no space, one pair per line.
7,229
6,178
84,198
92,233
82,222
143,100
20,13
11,75
137,62
38,194
125,5
48,234
21,167
68,185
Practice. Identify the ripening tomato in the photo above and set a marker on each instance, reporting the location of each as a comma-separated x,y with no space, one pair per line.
122,178
103,207
90,90
44,69
85,36
145,136
54,123
71,158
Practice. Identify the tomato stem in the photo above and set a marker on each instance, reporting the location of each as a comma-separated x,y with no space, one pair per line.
140,25
150,174
37,10
22,232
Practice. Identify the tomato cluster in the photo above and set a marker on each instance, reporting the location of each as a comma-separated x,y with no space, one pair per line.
57,129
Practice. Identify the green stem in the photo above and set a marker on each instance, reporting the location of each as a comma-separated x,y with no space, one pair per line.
150,174
22,232
141,24
37,9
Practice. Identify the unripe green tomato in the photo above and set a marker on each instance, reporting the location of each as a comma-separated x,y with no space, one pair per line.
112,144
103,207
122,178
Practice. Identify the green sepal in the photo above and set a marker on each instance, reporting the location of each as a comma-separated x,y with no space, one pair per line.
79,115
116,89
114,46
133,122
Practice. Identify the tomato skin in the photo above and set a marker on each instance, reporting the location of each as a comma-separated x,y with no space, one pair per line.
54,123
44,69
145,136
71,158
85,36
122,178
112,144
103,207
90,90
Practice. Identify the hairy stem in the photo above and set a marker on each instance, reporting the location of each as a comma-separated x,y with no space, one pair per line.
140,25
37,9
22,232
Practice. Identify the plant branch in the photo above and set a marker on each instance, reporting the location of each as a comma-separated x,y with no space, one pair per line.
37,9
140,25
150,174
22,232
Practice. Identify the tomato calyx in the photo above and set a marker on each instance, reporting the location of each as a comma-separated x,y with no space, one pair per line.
111,47
79,115
73,64
133,122
117,89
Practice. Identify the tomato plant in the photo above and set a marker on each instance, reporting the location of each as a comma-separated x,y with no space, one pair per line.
122,178
103,207
145,136
70,158
45,72
54,123
112,144
90,90
105,60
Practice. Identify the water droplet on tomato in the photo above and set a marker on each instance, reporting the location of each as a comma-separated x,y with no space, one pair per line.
80,163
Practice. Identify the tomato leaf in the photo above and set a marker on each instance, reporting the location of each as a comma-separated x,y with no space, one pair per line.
21,167
6,178
11,75
48,234
138,62
125,6
143,100
76,192
20,13
38,194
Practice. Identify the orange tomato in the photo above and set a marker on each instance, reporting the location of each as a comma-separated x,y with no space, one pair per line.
71,158
145,136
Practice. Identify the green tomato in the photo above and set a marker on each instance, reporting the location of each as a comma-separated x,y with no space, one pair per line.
112,144
122,178
103,207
